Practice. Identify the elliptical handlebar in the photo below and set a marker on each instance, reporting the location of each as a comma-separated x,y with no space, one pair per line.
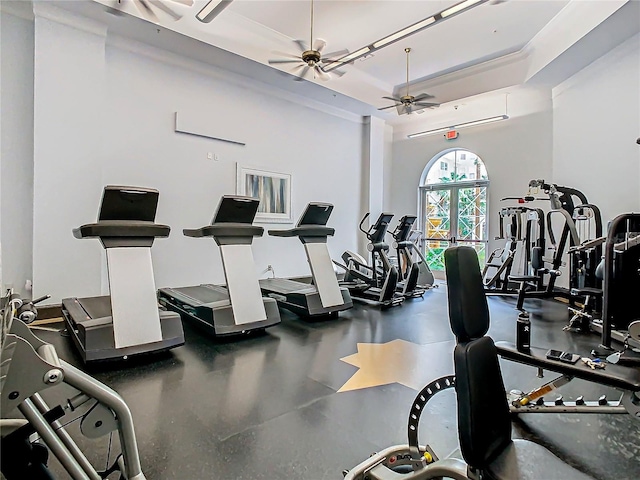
366,232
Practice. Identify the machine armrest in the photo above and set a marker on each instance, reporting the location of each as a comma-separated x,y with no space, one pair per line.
306,231
121,228
225,230
615,376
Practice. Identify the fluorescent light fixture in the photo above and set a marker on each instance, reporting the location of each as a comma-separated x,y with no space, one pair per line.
404,32
458,8
347,58
212,9
460,125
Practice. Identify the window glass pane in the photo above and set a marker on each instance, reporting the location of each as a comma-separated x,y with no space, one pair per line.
470,167
441,171
456,166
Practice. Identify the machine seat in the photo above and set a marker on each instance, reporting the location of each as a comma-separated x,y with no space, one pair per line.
615,376
225,230
527,460
121,228
304,231
586,291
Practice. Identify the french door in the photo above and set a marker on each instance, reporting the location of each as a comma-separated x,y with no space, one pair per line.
453,214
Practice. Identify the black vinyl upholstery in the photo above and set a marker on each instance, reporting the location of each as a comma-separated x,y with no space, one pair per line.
468,311
484,426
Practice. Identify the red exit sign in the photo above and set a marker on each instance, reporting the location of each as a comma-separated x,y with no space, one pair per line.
451,135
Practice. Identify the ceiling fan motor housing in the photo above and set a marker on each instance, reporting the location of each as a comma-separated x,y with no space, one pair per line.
311,57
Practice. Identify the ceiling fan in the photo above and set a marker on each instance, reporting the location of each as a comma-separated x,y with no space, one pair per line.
408,102
310,58
146,8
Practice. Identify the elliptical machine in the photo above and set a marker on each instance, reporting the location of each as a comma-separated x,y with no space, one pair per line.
415,275
375,283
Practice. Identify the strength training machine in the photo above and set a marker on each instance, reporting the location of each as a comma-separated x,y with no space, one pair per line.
484,424
30,368
127,322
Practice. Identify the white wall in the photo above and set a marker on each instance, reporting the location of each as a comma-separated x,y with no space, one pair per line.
69,111
514,152
129,139
16,166
596,121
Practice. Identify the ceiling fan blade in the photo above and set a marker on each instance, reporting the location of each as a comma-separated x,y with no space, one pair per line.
318,44
333,56
390,106
426,104
321,74
303,73
276,61
145,10
393,99
165,9
301,45
286,55
422,96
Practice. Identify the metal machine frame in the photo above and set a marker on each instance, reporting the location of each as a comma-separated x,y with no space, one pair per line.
29,368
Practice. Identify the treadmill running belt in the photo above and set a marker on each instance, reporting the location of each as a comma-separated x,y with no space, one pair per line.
96,307
284,286
204,293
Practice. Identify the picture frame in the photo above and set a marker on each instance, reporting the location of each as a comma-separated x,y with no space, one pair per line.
273,189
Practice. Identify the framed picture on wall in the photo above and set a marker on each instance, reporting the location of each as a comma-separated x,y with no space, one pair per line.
271,188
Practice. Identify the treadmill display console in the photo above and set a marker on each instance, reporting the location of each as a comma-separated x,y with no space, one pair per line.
316,214
236,209
128,203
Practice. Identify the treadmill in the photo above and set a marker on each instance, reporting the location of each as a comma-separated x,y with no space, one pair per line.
237,307
323,297
127,322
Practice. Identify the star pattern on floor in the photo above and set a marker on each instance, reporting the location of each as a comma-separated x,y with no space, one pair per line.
397,361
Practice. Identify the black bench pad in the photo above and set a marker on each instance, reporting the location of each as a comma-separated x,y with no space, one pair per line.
616,376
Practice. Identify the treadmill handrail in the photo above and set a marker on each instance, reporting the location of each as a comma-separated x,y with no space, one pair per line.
305,231
225,230
122,229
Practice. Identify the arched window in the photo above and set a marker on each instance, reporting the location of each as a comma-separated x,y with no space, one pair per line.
453,204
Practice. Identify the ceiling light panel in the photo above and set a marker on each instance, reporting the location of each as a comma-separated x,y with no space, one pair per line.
212,9
405,32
